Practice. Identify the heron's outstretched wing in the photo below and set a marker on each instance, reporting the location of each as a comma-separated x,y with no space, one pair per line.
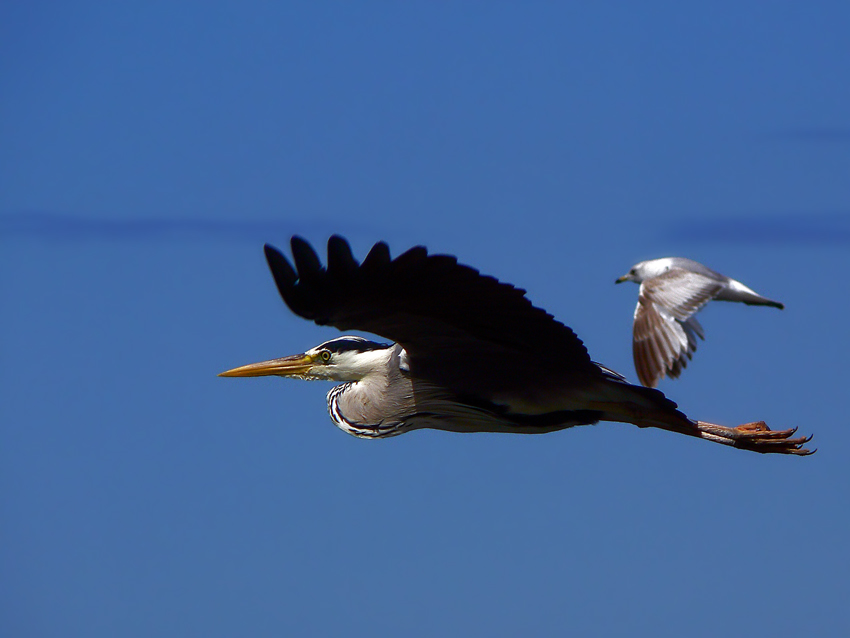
450,319
665,329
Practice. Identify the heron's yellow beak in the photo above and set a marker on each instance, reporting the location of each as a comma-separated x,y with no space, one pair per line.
622,279
295,366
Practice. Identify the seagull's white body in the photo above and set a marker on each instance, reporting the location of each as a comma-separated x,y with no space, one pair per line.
672,291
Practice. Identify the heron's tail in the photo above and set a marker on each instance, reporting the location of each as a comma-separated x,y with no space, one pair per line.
644,407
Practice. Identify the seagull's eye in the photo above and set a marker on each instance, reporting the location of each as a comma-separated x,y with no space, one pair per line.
325,355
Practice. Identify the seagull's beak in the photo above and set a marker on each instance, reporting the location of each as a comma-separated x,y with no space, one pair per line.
622,279
294,366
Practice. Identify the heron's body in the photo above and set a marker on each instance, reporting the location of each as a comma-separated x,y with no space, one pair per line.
386,399
672,291
471,354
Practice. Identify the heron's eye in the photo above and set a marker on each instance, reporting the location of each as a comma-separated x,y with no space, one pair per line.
325,355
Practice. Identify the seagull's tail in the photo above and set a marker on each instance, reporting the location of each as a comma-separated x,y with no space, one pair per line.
736,291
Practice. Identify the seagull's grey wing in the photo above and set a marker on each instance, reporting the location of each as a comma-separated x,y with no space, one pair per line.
665,330
732,290
683,263
458,327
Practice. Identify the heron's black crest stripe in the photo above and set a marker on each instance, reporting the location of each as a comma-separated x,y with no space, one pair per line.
356,344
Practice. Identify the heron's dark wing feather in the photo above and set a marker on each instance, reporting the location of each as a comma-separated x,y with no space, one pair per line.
665,331
436,308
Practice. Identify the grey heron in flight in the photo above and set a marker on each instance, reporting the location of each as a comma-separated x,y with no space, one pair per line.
470,354
672,291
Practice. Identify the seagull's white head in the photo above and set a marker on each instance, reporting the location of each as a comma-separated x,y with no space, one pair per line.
647,270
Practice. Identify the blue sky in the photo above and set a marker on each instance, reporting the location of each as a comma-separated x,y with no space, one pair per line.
148,151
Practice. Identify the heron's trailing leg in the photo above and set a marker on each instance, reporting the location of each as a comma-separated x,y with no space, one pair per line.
755,436
650,409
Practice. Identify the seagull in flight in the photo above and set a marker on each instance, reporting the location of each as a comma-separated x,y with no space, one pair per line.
468,353
672,291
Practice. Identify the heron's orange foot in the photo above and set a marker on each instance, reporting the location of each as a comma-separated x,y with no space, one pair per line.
758,430
755,426
756,436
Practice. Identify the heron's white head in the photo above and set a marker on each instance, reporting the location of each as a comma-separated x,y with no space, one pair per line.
647,270
347,358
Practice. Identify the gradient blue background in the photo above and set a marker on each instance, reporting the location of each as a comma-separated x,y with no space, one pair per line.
146,153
